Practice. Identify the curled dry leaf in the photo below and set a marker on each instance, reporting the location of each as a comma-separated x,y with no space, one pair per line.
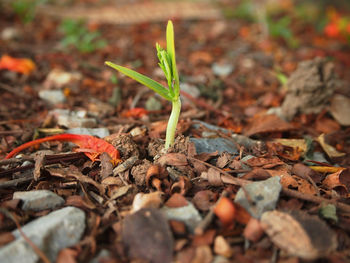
151,200
338,180
225,211
212,176
203,200
153,171
329,149
299,234
181,186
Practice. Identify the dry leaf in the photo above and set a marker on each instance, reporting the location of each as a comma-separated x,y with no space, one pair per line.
225,211
253,230
175,159
267,123
203,200
299,234
146,235
330,150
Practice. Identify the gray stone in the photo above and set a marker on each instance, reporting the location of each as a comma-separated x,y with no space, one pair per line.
99,132
52,96
214,144
188,214
263,196
238,138
73,119
38,200
222,70
51,233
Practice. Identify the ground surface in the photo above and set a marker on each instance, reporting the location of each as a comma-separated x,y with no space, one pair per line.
231,78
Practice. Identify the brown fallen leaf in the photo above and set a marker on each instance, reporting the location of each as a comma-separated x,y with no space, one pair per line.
337,180
264,162
204,199
329,149
80,202
176,200
299,234
267,123
146,235
175,159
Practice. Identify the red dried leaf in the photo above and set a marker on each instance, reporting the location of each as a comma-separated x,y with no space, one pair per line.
20,65
135,113
225,211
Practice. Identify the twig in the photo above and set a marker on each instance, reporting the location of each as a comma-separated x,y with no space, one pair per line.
16,182
199,230
228,179
37,250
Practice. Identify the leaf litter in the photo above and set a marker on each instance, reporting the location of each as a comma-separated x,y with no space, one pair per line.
180,204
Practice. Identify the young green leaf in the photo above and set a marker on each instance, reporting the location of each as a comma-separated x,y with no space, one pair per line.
148,82
170,44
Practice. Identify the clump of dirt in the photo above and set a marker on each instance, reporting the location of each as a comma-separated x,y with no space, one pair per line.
309,88
139,172
125,145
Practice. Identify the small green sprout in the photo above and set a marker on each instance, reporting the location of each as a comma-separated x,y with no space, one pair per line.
167,63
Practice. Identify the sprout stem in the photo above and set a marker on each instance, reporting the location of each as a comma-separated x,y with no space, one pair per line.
172,123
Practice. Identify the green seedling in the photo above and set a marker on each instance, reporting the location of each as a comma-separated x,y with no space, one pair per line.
167,63
76,34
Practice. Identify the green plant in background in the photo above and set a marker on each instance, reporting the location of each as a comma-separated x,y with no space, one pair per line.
167,63
26,9
76,34
280,28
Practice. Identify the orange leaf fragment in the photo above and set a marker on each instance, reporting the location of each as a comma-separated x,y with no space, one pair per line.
135,113
225,211
20,65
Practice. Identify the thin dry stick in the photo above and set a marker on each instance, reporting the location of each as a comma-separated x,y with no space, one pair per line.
228,179
33,246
